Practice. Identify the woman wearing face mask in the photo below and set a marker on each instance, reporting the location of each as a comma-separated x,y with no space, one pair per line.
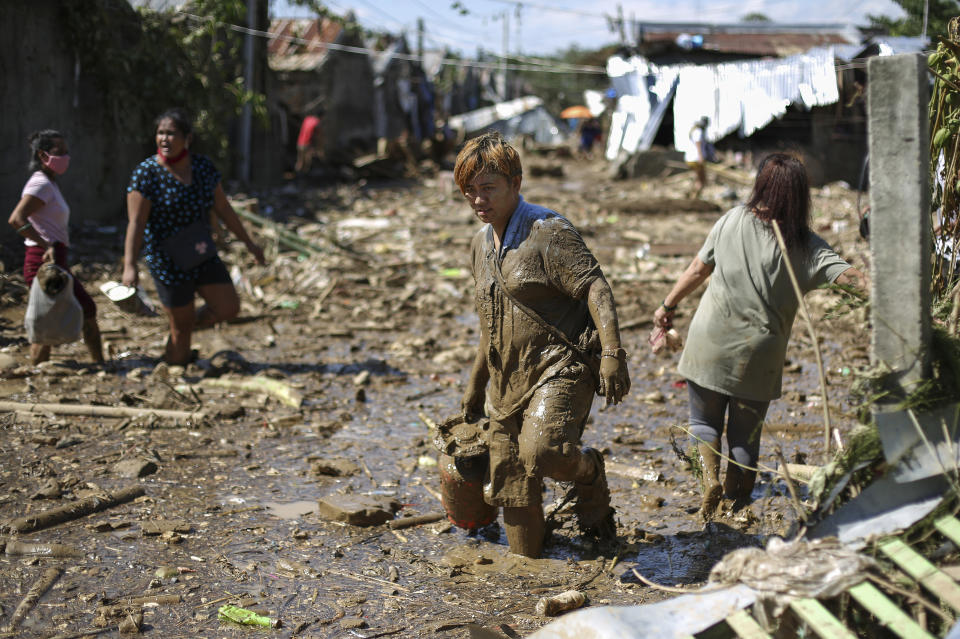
41,218
169,200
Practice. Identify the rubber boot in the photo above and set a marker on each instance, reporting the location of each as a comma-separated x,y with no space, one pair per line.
712,490
525,529
744,494
594,513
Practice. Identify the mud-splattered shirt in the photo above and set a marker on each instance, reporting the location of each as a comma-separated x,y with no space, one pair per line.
548,267
738,337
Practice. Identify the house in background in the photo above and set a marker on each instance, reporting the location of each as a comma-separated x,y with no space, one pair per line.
764,87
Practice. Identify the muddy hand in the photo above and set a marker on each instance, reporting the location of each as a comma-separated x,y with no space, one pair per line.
472,404
614,379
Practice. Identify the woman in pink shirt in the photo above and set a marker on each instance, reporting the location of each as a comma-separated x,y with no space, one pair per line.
41,218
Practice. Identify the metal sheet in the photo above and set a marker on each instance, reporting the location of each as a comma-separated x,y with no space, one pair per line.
679,617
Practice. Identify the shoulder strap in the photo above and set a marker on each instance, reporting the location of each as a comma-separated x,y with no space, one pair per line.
553,330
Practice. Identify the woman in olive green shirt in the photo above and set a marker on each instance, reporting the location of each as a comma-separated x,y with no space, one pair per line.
737,342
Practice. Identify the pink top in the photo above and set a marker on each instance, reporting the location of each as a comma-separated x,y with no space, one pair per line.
52,218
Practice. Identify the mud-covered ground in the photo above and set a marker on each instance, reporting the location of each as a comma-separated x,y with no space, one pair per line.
374,331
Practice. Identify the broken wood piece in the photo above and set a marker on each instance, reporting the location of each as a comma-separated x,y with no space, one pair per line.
40,586
568,600
803,472
14,547
274,388
71,511
161,600
88,410
410,522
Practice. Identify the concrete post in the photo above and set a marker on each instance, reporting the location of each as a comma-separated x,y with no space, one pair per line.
900,243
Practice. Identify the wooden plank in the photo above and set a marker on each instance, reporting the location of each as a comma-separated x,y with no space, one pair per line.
895,619
912,563
949,527
745,626
819,619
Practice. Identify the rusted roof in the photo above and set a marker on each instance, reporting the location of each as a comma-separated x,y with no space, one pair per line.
300,44
748,39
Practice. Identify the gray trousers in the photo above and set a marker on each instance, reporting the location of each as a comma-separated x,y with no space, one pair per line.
744,421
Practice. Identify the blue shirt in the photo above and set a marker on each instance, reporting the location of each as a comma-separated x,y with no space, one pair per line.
173,206
523,217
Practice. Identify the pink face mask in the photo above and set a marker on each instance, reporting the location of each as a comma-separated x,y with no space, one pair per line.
57,163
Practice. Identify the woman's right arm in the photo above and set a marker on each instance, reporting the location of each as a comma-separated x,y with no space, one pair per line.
692,278
20,221
138,211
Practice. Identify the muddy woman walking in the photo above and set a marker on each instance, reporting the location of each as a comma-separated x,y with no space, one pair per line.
737,343
539,292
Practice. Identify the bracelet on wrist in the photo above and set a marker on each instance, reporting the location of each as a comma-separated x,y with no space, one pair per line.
24,227
668,309
613,352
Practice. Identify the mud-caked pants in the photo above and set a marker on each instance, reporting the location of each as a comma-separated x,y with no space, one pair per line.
541,440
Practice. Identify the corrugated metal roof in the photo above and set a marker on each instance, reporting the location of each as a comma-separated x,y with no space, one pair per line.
763,39
759,44
300,44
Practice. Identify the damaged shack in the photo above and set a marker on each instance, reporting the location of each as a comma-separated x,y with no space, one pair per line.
763,87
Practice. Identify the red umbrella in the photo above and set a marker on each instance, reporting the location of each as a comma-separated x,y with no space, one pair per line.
578,111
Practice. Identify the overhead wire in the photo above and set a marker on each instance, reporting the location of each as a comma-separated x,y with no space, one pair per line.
555,68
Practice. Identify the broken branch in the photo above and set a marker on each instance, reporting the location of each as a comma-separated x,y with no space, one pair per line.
75,510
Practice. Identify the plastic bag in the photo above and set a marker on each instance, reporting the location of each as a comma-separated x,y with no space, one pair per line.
663,340
53,319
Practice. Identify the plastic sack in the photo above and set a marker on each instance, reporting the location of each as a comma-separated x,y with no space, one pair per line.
56,318
662,340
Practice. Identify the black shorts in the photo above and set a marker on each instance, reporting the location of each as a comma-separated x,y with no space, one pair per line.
182,293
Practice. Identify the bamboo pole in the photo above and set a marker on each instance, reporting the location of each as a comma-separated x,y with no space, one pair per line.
89,410
813,336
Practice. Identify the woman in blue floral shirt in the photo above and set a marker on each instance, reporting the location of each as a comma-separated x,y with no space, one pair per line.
169,200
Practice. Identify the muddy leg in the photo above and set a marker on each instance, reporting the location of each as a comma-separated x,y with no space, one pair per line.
593,508
525,529
91,338
39,353
712,490
177,350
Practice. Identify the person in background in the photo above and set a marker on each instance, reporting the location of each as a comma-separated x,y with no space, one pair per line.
590,134
737,342
696,154
169,192
310,141
537,289
42,217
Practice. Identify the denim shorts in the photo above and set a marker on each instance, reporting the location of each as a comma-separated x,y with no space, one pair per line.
182,293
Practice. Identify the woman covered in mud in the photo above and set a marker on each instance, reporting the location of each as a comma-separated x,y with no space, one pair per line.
736,347
169,200
539,292
41,218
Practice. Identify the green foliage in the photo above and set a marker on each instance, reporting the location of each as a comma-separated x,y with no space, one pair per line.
755,17
944,113
144,62
940,12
